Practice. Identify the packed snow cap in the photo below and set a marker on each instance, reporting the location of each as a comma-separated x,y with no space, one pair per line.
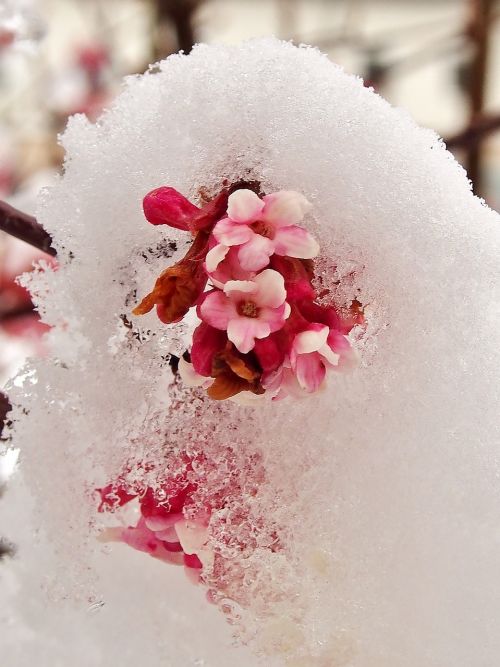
355,528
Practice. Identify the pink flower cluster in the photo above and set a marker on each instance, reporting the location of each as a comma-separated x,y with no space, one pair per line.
162,530
251,280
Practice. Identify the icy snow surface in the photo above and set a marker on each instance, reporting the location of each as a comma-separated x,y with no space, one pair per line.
372,539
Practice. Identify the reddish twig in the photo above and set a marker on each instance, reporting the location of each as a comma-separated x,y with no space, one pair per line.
5,407
481,12
25,227
180,14
478,130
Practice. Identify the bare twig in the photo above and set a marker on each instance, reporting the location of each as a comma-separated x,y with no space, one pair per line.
180,14
5,407
25,227
478,130
481,12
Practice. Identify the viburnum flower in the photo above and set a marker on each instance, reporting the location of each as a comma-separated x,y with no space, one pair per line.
247,309
263,227
162,530
244,341
311,355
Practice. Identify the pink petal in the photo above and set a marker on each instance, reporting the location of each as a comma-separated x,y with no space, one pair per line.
157,523
271,288
310,371
215,256
244,206
141,538
274,317
166,206
255,253
207,342
217,310
192,535
270,353
168,535
310,340
242,331
230,269
230,233
243,287
295,241
285,208
340,344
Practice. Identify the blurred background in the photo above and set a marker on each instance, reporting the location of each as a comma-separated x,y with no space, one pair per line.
439,59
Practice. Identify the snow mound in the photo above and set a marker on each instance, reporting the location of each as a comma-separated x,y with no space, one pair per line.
362,525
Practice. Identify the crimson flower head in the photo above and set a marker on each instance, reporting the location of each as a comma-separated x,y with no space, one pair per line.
250,274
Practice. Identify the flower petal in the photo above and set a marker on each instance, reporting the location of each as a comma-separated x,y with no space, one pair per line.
215,256
275,317
207,342
243,287
230,233
270,354
310,371
311,340
226,385
192,535
217,310
329,355
255,253
189,376
166,206
285,208
244,206
296,242
271,289
242,331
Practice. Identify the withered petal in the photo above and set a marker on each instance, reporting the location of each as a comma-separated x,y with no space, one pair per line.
226,385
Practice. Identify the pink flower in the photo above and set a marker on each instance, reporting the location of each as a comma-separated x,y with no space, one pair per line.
162,531
311,354
222,264
263,227
247,309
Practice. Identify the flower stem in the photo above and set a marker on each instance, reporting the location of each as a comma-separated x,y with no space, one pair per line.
25,227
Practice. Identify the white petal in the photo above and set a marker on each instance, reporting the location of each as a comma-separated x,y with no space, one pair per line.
271,288
244,206
311,340
285,208
330,356
215,256
192,535
294,241
190,377
239,289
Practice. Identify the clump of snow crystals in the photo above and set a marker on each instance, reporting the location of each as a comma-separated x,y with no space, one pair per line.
366,532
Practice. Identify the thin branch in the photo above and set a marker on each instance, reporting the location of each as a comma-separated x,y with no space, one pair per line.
481,12
478,130
25,227
5,407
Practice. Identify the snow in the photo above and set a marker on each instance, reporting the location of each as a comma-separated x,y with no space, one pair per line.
382,493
